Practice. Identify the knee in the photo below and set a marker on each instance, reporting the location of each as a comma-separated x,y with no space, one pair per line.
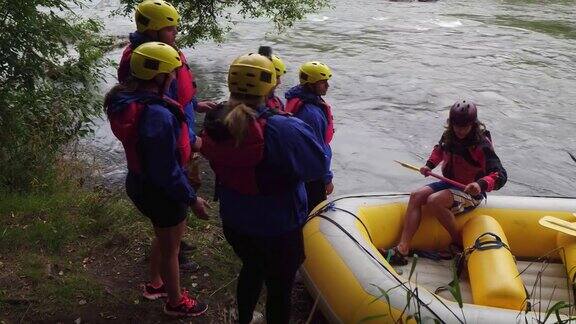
432,201
418,198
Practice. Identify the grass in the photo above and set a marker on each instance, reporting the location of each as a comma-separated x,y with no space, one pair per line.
68,252
82,253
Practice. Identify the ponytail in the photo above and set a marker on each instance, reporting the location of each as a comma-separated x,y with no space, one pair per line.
241,114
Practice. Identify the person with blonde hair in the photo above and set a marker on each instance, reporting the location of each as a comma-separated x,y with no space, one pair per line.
261,158
154,133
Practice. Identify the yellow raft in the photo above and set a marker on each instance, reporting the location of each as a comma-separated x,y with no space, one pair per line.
513,272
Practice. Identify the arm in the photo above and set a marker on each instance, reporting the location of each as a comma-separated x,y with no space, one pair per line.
496,174
435,157
158,144
191,121
293,147
315,118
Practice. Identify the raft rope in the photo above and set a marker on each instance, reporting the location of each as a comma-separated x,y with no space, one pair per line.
383,266
357,218
330,205
459,261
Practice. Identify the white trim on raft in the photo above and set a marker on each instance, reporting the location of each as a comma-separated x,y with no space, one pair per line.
370,273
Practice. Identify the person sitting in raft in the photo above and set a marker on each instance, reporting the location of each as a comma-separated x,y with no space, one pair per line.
261,158
154,133
467,156
274,101
158,20
306,103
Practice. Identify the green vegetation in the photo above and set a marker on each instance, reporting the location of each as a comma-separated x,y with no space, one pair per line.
83,254
67,251
51,65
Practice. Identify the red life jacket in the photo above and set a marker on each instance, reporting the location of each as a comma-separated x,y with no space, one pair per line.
186,85
236,167
125,126
294,105
467,164
275,103
465,168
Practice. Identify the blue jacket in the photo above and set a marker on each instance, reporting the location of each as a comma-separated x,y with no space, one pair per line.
158,133
313,115
137,39
291,149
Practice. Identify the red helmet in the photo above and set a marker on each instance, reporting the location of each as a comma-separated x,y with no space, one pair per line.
463,113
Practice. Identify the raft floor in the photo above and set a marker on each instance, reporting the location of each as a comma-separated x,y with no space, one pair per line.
546,282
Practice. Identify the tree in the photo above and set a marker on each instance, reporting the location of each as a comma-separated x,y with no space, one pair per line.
211,19
51,65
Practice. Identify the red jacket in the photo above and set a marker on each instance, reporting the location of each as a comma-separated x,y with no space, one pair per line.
273,102
239,167
475,162
125,123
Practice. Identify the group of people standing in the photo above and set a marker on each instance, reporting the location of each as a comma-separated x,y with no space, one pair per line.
271,160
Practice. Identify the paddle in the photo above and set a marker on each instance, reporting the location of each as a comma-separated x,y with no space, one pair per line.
452,182
558,224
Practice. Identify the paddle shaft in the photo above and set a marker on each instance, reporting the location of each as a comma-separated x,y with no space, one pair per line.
452,182
430,173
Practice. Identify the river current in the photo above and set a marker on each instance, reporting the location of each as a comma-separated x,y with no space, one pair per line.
397,67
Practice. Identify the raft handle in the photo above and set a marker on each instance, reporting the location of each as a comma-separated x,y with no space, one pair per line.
496,243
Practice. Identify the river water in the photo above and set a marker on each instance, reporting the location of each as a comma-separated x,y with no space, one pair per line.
397,67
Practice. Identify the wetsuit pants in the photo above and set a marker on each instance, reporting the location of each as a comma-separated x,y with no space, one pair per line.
266,260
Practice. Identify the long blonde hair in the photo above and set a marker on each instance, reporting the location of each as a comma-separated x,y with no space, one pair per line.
242,111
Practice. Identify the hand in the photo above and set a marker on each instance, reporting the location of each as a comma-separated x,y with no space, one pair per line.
199,208
473,189
425,171
205,106
329,188
197,144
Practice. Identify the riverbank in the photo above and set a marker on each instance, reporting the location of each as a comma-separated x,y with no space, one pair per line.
82,257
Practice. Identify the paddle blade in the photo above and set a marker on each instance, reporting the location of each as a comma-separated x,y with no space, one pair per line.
409,166
558,225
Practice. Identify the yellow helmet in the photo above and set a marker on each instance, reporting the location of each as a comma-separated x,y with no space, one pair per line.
312,72
155,15
278,65
252,74
153,58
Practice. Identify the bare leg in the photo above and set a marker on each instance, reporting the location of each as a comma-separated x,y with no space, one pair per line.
155,261
412,217
441,202
169,246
